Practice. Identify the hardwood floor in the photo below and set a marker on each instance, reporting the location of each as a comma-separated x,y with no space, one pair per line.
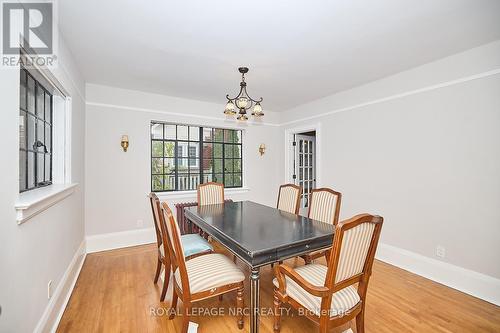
115,293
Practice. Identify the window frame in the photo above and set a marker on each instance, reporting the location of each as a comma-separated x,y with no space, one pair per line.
200,160
36,114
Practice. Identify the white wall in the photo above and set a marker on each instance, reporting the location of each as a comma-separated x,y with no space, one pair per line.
42,248
117,183
422,149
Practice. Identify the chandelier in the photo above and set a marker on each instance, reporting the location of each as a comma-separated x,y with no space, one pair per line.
242,102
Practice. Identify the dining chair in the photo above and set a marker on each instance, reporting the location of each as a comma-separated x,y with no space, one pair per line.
202,277
326,294
210,193
193,244
289,198
324,206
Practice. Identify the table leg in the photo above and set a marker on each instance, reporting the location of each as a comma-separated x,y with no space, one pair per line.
254,301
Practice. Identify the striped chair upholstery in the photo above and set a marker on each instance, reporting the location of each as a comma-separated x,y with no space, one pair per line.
342,300
324,205
345,279
202,277
288,198
354,249
210,194
210,271
193,244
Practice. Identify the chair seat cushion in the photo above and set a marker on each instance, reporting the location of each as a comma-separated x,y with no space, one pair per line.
193,244
210,271
342,301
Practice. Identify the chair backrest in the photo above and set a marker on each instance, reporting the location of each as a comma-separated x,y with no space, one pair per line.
155,208
210,194
176,251
324,205
354,246
289,198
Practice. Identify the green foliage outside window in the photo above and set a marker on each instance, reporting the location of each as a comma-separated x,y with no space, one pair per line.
183,156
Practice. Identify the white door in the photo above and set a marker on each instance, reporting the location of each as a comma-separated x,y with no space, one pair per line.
305,166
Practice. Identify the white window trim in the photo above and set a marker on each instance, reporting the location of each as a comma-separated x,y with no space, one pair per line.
33,202
193,193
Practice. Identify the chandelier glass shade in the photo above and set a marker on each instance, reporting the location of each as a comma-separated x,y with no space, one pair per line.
243,102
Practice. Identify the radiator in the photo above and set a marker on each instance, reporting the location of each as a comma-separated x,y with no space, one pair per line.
183,222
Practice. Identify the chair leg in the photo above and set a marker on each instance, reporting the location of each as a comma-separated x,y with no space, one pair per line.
239,306
158,270
166,280
360,322
323,327
277,313
173,306
220,298
185,319
327,256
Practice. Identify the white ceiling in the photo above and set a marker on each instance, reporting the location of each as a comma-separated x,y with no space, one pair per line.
297,51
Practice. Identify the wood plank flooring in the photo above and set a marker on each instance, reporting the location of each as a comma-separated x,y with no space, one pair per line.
115,293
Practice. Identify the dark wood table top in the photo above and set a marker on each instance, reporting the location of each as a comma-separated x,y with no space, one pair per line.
258,234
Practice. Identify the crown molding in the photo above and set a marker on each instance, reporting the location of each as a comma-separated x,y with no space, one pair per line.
397,96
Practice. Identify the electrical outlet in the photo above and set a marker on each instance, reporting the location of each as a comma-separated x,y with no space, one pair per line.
140,223
49,289
440,251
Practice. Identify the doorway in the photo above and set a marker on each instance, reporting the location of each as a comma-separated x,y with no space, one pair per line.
305,165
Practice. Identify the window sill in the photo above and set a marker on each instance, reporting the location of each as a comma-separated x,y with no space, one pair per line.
33,202
193,194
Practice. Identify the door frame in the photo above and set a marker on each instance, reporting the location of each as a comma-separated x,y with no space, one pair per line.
289,133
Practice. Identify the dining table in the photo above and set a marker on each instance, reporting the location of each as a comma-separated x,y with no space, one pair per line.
259,235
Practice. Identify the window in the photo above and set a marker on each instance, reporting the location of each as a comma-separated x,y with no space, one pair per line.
183,156
35,133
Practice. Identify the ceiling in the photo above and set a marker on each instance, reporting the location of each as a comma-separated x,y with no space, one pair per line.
297,51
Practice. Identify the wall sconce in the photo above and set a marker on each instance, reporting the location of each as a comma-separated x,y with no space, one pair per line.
124,143
262,149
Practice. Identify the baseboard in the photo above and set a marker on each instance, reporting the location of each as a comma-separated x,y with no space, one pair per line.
473,283
116,240
470,282
57,304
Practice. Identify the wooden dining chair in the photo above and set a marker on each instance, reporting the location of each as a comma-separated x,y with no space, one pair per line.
202,277
289,198
210,193
324,206
193,243
326,294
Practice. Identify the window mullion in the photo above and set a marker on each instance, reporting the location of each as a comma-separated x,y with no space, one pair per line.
35,172
176,158
213,154
217,170
51,134
223,161
26,130
41,161
200,156
44,139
